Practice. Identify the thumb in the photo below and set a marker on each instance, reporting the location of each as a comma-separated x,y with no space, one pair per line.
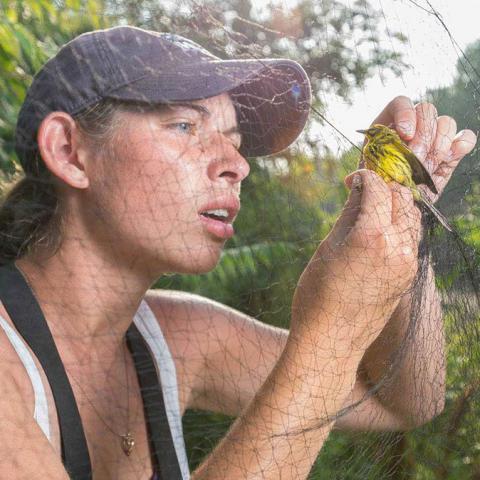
376,200
348,180
351,209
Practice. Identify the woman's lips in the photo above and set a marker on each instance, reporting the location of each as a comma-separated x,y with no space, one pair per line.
219,228
218,216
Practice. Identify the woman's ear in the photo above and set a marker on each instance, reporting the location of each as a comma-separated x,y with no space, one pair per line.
60,147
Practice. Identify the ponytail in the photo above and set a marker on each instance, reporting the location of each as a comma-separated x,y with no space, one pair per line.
27,217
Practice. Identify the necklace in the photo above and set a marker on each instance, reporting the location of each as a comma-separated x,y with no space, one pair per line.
127,439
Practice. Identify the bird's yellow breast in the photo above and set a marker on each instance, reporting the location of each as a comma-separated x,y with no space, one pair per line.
387,162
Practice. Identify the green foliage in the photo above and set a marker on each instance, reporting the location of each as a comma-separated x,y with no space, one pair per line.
469,223
461,99
360,456
257,279
202,432
31,31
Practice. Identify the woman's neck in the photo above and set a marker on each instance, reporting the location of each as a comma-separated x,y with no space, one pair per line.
88,301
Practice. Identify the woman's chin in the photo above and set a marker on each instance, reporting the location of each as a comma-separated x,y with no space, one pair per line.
203,262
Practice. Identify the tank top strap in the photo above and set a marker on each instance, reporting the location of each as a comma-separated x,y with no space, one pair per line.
30,323
149,328
162,448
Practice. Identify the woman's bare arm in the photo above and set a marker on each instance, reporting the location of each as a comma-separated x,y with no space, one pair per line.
342,302
26,452
241,352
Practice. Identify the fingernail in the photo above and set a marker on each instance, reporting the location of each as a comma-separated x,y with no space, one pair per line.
357,182
406,127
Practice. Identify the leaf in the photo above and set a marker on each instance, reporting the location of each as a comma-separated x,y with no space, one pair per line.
11,15
37,11
33,55
9,42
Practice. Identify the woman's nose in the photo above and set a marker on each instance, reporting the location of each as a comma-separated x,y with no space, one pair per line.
228,163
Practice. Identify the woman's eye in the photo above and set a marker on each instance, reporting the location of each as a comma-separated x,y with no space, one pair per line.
185,127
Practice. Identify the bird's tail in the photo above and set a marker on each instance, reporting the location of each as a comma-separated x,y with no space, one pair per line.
439,215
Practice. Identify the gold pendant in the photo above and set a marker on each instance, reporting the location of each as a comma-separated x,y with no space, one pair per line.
128,442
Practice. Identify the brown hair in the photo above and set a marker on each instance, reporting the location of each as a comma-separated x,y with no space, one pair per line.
29,212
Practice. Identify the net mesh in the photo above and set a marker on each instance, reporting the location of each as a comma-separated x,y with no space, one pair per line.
378,378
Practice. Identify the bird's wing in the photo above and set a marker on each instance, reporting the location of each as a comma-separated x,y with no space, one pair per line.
420,174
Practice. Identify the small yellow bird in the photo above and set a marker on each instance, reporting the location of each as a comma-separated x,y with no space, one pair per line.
387,155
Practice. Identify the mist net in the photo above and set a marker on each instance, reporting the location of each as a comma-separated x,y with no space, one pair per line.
366,366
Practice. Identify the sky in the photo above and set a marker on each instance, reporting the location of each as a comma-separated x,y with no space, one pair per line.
429,51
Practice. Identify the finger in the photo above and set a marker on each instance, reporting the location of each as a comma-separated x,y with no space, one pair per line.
376,201
402,114
463,143
405,214
351,209
352,206
425,133
403,207
348,180
440,151
404,117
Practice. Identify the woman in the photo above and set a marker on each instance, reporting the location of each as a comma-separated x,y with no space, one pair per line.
134,147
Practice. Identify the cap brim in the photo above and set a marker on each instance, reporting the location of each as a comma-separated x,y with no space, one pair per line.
271,96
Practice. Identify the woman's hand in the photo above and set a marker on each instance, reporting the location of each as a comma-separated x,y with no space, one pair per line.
418,392
434,139
359,272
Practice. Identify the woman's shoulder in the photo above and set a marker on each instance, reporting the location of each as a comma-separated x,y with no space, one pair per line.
16,384
184,324
177,298
189,321
173,308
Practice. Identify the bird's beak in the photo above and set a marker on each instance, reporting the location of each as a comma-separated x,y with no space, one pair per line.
361,131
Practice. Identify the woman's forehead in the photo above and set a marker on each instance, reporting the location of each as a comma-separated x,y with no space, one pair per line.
216,113
219,109
220,106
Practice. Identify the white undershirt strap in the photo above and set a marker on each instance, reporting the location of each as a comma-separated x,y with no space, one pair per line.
148,326
40,413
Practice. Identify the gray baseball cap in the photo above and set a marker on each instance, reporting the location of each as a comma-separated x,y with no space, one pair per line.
271,96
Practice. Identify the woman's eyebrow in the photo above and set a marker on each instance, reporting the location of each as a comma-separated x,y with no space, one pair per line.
204,111
232,130
235,130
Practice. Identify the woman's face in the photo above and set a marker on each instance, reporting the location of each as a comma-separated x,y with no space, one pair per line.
168,197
